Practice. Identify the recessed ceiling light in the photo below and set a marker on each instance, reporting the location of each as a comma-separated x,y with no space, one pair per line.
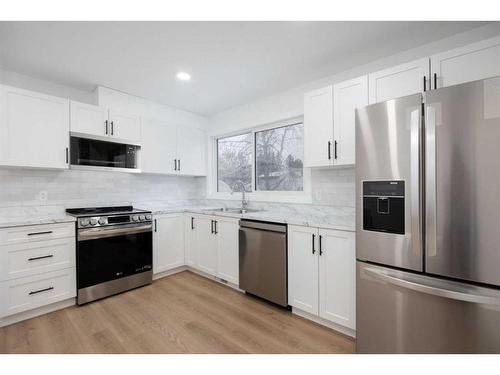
183,76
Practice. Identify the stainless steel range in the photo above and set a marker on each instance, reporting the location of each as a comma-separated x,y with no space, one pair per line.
114,250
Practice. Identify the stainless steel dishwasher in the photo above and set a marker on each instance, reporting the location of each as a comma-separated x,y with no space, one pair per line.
263,260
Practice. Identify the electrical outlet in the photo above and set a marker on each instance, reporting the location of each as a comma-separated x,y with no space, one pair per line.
317,195
43,196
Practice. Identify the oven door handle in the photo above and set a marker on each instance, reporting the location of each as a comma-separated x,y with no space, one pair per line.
96,233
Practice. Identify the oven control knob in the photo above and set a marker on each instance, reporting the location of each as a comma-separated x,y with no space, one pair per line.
102,220
93,221
148,217
84,222
135,218
141,217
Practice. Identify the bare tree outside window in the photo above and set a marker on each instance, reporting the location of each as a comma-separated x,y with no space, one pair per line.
234,163
278,159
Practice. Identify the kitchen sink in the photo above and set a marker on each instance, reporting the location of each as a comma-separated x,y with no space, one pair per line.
238,210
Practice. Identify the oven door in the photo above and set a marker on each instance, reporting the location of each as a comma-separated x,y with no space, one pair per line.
108,253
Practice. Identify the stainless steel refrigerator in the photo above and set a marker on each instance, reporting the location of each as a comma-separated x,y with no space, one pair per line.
428,222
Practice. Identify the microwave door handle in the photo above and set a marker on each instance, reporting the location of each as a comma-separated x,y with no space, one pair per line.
447,291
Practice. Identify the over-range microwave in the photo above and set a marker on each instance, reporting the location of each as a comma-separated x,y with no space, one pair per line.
88,153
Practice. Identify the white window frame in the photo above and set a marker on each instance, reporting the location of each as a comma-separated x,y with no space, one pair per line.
304,196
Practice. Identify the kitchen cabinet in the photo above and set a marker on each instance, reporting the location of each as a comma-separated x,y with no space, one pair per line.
212,246
318,127
347,96
402,80
322,273
159,147
168,242
34,129
465,64
303,268
113,125
169,149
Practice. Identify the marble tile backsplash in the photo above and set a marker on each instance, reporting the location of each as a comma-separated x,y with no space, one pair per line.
333,187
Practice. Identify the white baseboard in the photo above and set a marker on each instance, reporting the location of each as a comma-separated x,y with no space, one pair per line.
173,271
215,278
8,320
336,327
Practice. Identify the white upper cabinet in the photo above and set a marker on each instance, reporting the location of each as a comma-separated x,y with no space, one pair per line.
398,81
347,96
34,129
168,242
99,121
472,62
89,119
191,151
303,268
318,127
337,277
159,147
124,125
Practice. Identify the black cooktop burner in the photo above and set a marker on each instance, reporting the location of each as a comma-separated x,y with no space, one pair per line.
95,211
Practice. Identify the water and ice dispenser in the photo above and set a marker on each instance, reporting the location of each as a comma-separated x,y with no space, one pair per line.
384,206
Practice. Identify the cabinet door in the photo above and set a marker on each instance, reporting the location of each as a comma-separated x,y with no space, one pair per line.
34,129
191,234
159,146
168,242
465,64
125,126
228,250
347,96
398,81
191,151
337,277
303,268
89,119
207,245
318,127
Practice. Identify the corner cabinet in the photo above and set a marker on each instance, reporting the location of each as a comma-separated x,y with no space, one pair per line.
168,242
347,96
318,127
402,80
212,246
322,273
168,149
34,129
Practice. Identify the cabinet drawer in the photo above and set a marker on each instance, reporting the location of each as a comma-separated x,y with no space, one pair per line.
35,291
26,259
35,233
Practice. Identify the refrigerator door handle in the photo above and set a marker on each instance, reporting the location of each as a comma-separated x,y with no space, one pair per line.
415,184
430,181
453,291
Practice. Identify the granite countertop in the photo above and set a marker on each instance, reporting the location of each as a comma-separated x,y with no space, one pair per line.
343,220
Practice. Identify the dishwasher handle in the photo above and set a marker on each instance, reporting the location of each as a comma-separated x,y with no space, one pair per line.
271,227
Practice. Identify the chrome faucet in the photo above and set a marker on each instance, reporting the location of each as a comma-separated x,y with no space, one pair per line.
244,201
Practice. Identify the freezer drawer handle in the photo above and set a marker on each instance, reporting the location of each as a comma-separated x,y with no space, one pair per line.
432,290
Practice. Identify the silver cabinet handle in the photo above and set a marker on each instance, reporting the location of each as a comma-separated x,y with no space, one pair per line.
452,291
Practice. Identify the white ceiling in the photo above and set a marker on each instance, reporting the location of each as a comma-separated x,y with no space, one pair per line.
231,62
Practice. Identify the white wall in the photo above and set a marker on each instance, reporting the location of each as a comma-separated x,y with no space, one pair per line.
289,103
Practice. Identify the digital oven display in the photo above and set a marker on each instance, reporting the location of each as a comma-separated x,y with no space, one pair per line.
119,219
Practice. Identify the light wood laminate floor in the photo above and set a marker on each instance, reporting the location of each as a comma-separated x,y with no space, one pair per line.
182,313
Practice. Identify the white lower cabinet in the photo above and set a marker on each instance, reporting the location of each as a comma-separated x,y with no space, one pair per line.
168,242
322,273
212,246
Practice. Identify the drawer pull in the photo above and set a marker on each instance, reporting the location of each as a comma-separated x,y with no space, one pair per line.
38,233
42,257
41,290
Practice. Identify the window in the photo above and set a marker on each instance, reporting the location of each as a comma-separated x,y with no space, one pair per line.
263,161
278,159
234,163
